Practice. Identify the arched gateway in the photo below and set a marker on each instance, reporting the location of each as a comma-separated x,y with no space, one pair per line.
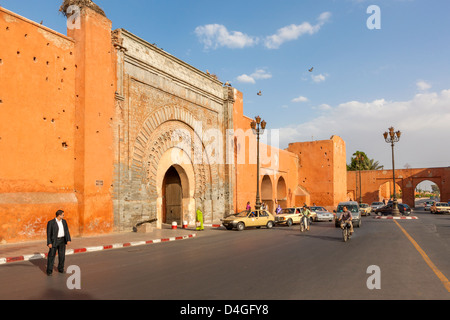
406,179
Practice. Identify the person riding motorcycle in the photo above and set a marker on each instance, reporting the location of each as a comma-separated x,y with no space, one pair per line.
305,214
346,217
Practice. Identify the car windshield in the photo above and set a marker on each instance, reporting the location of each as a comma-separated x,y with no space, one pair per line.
318,209
350,207
376,203
242,214
288,210
442,204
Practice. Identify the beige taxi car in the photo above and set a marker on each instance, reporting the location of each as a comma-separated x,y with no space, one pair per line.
365,209
247,219
288,216
440,207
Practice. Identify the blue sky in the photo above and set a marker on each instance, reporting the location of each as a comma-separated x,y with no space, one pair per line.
363,81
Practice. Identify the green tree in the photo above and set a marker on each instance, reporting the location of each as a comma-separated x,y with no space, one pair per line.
360,161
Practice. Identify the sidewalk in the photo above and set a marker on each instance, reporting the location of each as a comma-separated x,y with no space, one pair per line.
25,251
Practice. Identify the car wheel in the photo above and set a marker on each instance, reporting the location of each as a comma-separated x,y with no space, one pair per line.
269,225
240,226
289,223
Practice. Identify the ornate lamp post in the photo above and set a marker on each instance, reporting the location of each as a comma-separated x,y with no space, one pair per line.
359,158
258,128
393,137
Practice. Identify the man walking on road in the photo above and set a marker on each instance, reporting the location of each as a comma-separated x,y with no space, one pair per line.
58,237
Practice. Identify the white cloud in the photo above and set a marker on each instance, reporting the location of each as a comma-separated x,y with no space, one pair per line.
423,85
245,79
216,35
319,78
293,32
424,121
300,99
259,74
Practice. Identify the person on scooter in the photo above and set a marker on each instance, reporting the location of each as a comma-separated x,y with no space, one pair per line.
346,217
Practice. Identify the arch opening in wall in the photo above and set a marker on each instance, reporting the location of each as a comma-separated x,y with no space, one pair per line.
281,193
386,191
426,190
267,193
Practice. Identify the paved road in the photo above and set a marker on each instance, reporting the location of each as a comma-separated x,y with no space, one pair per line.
257,264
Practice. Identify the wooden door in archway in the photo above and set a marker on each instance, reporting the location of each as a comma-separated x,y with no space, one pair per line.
173,197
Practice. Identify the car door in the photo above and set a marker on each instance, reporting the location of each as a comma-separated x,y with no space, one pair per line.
252,219
263,218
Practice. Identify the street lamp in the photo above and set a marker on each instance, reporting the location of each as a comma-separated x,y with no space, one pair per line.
359,158
258,128
393,137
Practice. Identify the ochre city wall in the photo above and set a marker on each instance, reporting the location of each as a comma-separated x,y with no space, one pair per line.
322,170
56,110
37,138
278,169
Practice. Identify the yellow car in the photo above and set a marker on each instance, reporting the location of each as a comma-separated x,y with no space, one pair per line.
440,207
246,219
365,209
288,216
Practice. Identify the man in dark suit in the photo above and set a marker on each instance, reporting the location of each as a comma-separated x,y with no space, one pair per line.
58,237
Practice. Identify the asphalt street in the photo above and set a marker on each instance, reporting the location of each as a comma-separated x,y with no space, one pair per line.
257,264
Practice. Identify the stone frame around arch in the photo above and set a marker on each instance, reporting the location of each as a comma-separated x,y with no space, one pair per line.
186,172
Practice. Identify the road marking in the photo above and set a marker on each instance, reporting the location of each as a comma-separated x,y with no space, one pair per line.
425,257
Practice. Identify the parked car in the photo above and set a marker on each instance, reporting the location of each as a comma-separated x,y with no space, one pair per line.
353,207
404,209
376,205
440,207
288,216
246,219
314,210
323,214
365,209
427,204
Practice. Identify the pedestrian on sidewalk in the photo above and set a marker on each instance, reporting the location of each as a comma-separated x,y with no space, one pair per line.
58,237
248,207
199,220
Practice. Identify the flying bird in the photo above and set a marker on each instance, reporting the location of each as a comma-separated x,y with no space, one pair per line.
310,70
259,93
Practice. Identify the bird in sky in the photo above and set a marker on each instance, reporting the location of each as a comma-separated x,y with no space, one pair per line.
311,70
259,93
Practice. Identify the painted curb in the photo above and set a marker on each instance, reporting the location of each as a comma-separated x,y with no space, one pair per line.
396,218
94,248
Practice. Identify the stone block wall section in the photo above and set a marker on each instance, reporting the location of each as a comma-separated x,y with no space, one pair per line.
37,132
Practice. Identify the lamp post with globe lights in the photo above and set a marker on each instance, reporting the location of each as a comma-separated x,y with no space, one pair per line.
258,128
393,137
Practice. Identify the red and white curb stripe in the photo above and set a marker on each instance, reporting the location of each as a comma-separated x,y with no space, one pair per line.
93,249
396,218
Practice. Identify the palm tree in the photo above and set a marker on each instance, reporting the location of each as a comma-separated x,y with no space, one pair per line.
374,165
360,161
